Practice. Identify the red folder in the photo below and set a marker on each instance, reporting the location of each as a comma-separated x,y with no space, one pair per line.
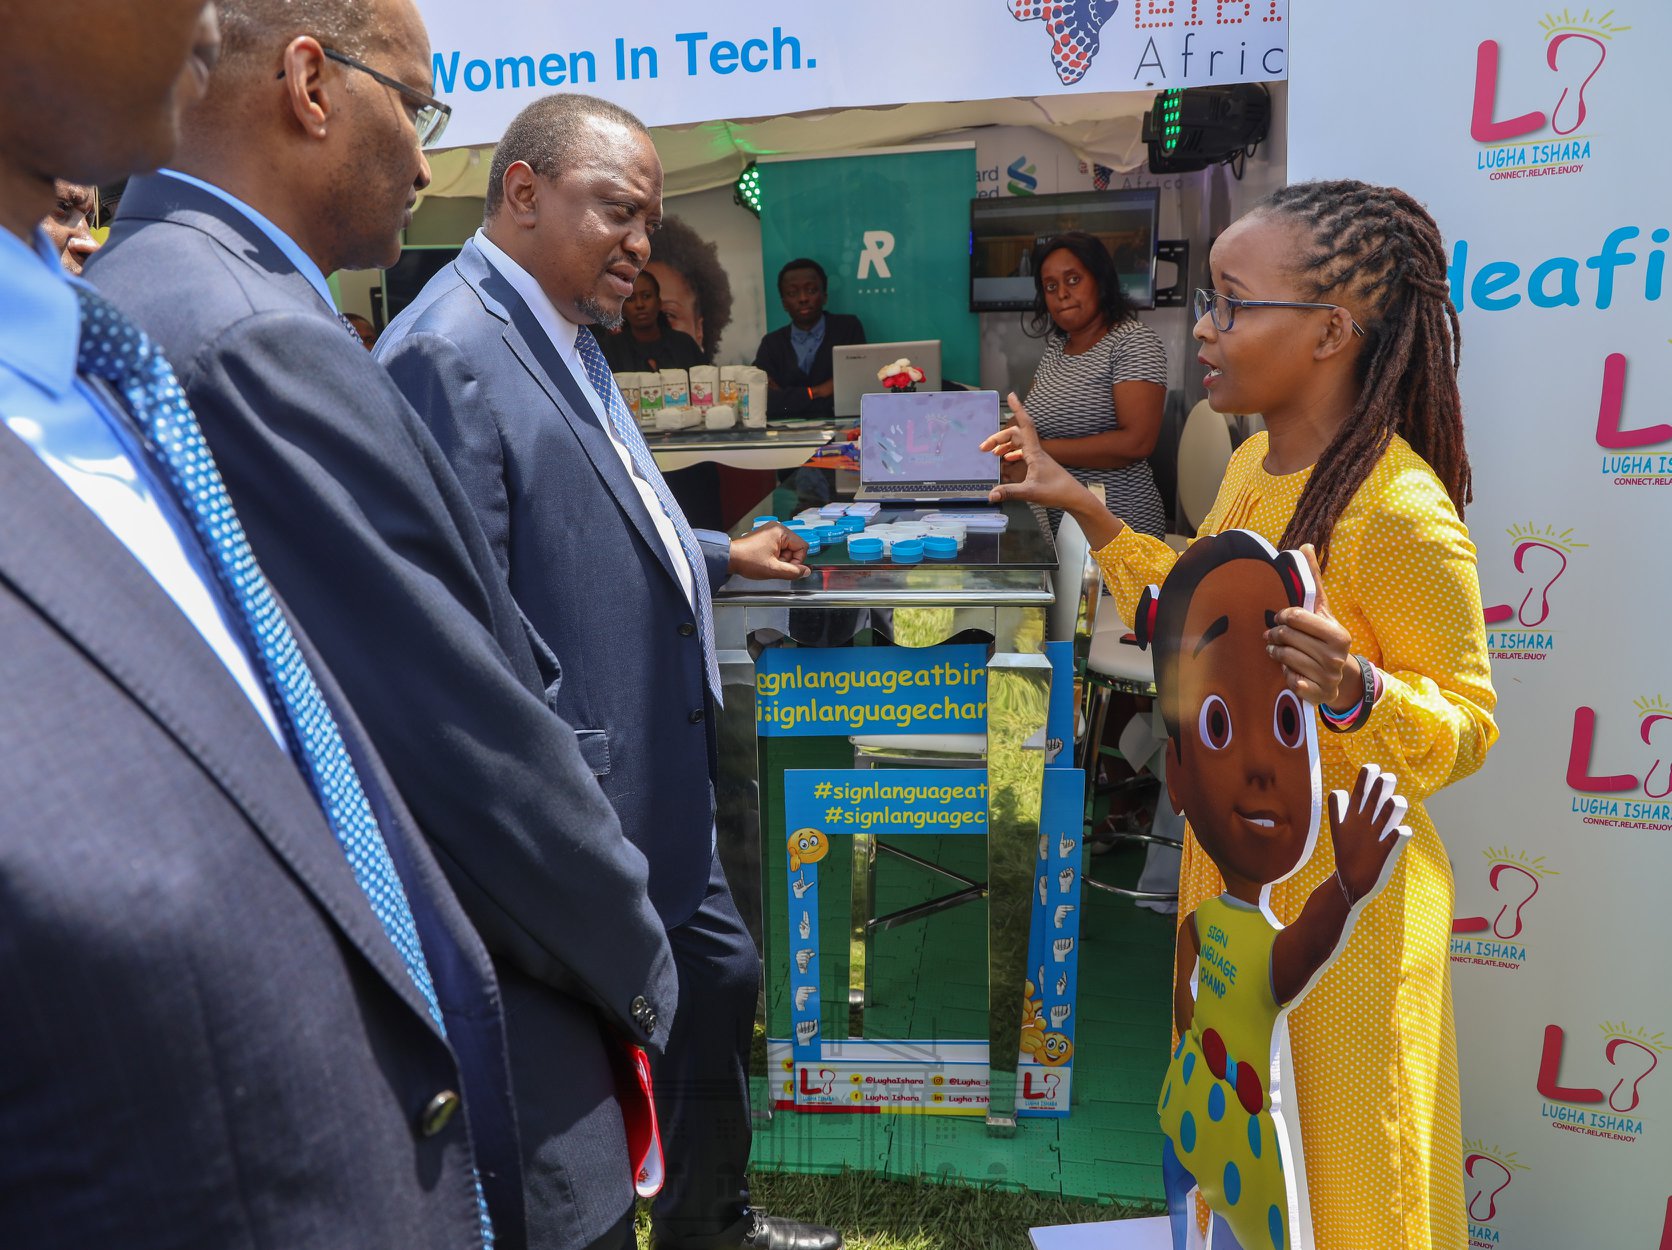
636,1093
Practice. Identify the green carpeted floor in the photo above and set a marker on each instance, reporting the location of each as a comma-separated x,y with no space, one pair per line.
929,982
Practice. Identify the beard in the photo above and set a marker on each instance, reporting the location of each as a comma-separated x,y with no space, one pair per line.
593,307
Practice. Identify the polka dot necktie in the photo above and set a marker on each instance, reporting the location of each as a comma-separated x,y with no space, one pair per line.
621,422
116,350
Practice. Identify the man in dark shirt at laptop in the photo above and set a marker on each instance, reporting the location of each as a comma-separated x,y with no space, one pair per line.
797,357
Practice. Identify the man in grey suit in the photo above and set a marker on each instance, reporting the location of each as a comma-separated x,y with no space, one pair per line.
218,1030
304,158
497,356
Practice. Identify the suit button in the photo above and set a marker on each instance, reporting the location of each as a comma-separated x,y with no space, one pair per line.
644,1015
696,716
687,629
437,1112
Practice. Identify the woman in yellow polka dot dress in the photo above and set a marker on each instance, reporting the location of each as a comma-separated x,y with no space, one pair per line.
1331,317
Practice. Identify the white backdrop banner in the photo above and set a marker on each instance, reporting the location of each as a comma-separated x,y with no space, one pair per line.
1529,137
674,61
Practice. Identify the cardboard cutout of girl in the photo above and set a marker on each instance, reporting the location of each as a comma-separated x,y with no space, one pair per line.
1242,766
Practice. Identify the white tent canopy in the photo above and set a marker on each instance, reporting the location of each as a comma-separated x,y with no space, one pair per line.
1100,127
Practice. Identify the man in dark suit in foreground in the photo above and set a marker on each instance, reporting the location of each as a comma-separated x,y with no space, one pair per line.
217,1030
497,356
304,158
797,358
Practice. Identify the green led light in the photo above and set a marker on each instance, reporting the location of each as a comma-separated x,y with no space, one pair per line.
747,190
1172,118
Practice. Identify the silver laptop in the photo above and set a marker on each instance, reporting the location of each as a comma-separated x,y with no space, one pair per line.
854,369
926,446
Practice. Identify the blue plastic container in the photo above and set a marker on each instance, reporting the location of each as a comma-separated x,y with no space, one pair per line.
863,549
851,524
764,520
940,546
828,535
906,550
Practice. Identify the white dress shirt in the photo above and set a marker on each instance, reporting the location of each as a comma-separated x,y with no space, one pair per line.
71,425
561,331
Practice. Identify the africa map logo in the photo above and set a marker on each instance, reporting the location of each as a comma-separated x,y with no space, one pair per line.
1074,27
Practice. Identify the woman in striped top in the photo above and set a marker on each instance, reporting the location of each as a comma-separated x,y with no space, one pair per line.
1097,396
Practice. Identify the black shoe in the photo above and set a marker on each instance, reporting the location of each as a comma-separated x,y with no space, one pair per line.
774,1232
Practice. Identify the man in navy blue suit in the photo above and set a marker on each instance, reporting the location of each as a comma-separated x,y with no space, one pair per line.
305,158
218,1031
497,356
799,358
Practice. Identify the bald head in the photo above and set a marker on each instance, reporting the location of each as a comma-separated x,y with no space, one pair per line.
554,135
254,32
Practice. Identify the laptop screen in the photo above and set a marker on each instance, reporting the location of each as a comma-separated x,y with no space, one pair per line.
927,436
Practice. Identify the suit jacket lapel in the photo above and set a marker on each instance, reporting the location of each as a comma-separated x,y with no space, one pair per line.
161,198
533,348
81,579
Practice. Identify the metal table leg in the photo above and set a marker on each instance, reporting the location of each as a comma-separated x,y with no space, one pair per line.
738,823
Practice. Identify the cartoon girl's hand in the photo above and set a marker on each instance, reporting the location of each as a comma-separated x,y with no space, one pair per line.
1366,832
1315,649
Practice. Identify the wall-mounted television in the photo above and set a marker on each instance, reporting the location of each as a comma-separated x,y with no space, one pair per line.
403,280
1004,232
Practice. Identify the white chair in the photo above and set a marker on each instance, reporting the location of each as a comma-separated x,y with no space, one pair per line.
1204,451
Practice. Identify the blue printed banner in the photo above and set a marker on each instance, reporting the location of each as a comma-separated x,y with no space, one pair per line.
826,691
1048,1024
1059,712
885,801
820,804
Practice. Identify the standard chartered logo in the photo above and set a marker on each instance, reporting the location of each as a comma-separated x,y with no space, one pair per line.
878,247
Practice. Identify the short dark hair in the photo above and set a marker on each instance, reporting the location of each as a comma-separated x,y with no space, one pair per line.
550,136
678,246
248,27
1088,249
803,263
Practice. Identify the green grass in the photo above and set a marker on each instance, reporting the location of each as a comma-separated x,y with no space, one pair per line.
875,1214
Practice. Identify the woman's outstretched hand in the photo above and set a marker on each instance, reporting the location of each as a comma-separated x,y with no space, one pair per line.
1030,475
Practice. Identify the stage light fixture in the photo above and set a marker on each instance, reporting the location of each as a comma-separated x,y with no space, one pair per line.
1191,128
747,189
